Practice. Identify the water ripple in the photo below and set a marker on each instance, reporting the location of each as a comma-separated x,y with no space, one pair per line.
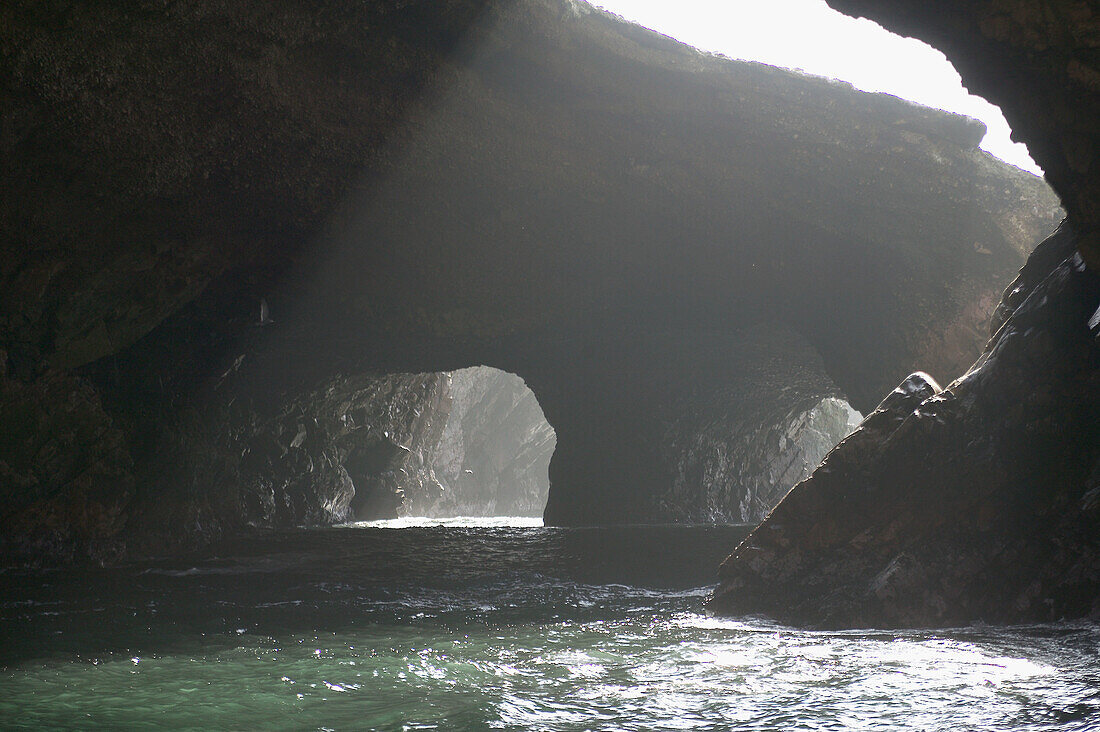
466,628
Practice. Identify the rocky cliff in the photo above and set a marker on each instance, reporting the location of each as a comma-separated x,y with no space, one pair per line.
978,502
1007,454
215,215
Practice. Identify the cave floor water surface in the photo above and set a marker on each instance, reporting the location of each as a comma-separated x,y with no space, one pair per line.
470,625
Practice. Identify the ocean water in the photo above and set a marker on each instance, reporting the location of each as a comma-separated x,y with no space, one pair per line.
495,624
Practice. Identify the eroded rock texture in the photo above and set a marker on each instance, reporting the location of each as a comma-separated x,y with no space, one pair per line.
216,214
739,447
351,448
723,446
494,454
978,502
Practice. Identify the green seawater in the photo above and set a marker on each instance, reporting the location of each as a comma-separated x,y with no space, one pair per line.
475,625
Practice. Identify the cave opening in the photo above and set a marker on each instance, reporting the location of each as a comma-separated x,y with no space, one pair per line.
479,450
684,254
813,38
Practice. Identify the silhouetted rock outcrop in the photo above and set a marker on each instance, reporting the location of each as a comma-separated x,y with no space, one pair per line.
977,502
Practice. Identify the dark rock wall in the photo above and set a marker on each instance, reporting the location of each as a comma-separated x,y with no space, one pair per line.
66,473
149,147
978,502
415,187
350,448
723,446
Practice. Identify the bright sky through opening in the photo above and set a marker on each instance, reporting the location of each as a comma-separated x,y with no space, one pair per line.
811,36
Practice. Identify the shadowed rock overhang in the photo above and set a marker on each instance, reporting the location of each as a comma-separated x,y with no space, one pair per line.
415,187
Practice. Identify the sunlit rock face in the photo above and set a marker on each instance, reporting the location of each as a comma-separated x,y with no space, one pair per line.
215,214
494,454
974,503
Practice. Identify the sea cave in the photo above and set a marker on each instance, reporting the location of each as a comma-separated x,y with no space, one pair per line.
505,364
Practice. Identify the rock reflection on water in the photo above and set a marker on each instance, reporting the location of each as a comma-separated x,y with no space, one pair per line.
463,627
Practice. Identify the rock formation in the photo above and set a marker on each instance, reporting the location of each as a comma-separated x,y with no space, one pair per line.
724,446
739,447
1037,62
216,215
977,502
494,454
352,447
1008,453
